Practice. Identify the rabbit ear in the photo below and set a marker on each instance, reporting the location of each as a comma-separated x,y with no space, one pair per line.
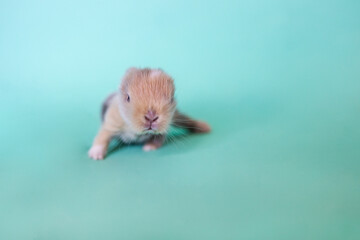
183,121
106,104
130,74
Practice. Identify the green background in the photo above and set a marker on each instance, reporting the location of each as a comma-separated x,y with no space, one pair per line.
279,82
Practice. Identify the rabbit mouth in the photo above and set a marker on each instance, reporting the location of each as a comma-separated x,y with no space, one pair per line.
149,131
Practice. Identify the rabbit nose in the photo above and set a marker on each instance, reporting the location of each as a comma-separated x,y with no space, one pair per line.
151,117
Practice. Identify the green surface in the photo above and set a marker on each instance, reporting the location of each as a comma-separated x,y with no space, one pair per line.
279,82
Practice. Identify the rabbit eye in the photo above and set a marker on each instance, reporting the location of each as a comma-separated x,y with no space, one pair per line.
128,98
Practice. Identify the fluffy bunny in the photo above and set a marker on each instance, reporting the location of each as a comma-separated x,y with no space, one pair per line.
141,112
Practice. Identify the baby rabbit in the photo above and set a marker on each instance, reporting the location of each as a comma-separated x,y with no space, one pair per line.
141,112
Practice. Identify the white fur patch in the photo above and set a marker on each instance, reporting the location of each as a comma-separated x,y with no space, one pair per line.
97,152
155,73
